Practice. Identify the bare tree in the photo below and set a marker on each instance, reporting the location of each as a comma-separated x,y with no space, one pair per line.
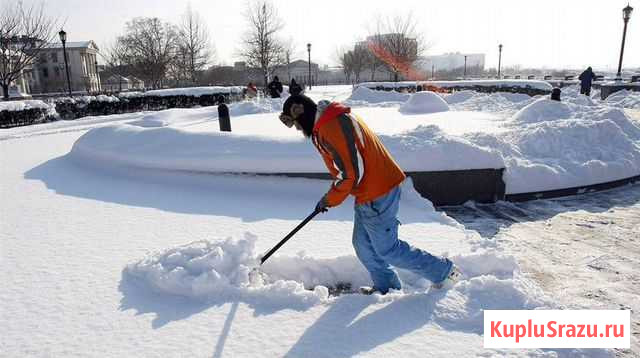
150,45
359,60
114,57
344,59
24,32
195,43
289,52
397,43
261,47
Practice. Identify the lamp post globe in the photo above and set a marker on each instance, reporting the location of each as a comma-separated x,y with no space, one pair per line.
63,36
626,12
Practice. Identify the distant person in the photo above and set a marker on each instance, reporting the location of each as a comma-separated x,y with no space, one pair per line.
275,88
251,90
586,78
294,88
555,94
223,115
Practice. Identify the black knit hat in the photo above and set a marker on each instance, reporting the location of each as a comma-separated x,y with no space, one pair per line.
307,118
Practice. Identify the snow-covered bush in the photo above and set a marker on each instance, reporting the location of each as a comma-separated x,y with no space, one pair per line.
20,113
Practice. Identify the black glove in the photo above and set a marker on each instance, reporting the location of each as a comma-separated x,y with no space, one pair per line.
322,206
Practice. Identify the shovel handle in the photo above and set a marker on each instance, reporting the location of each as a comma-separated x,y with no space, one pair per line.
290,235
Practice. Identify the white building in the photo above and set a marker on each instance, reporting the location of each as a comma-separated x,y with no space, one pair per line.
299,70
50,74
451,61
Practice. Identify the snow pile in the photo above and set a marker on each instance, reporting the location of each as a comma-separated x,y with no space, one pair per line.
13,106
222,271
399,84
424,102
364,95
541,110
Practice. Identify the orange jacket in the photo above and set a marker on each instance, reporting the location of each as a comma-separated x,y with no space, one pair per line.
355,157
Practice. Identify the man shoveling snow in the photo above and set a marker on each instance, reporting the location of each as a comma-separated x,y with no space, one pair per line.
362,167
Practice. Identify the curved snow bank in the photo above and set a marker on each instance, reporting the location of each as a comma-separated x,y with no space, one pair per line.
424,148
542,110
221,271
366,95
424,102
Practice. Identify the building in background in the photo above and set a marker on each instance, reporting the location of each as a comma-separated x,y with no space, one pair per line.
299,70
451,61
49,69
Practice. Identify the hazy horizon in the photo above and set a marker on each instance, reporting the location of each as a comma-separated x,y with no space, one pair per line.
549,34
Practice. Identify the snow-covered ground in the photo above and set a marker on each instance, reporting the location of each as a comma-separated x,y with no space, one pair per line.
100,259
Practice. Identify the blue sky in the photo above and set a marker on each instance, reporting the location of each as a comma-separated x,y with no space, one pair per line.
544,33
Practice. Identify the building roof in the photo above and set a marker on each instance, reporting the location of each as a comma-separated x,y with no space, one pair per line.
73,44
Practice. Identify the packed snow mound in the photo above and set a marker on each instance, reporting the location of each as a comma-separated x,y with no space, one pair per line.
542,110
220,271
366,95
424,102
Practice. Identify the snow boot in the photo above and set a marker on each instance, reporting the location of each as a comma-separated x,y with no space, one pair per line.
368,290
454,276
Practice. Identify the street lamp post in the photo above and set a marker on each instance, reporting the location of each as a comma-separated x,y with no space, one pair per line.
499,59
626,15
433,71
465,67
63,39
97,78
309,52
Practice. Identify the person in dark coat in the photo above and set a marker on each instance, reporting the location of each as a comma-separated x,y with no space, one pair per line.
586,78
555,94
294,88
275,88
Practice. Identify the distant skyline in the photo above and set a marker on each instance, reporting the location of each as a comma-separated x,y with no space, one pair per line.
542,34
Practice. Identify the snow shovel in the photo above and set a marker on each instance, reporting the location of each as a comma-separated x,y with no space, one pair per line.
282,242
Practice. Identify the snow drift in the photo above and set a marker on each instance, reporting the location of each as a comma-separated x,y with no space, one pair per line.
424,102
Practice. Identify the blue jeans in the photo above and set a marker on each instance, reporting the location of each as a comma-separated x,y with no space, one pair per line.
375,240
